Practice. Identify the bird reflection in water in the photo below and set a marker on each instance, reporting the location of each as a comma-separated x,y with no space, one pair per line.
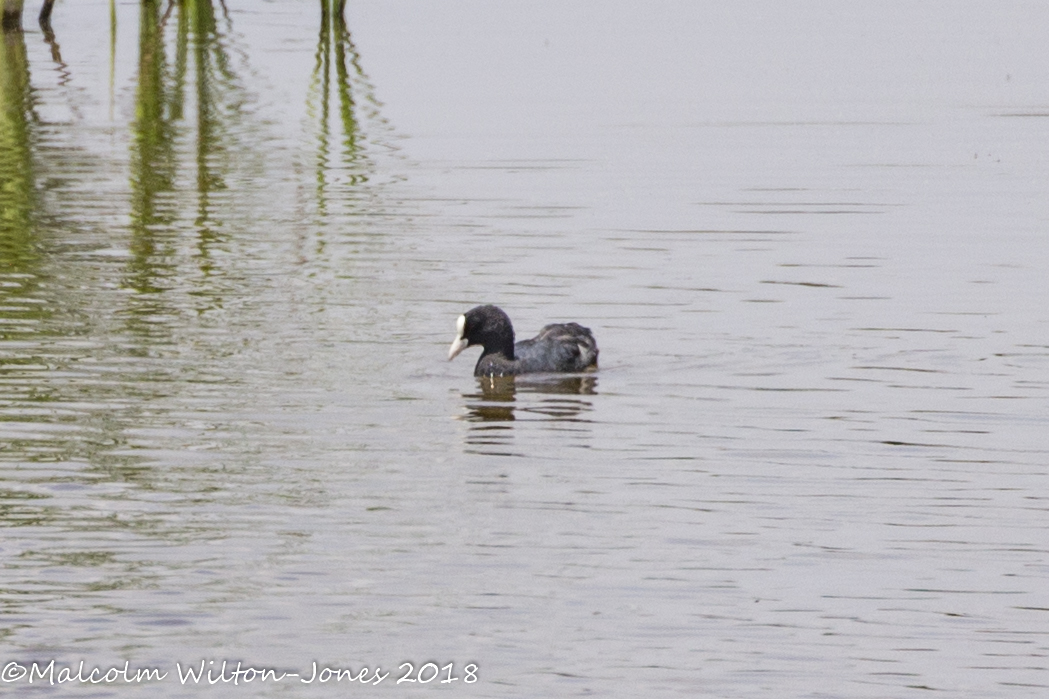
497,399
502,400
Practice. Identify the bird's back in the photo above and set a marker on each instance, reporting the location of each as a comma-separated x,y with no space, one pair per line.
558,347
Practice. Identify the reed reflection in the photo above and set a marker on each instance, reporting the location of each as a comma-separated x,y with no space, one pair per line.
187,93
120,384
57,426
21,311
17,192
158,106
220,100
339,100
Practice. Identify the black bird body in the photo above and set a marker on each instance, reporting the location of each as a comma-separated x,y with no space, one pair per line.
559,347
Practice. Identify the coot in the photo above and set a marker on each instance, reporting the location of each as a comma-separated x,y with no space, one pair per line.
558,347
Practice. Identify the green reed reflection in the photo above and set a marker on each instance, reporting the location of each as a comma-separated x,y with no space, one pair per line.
92,363
154,292
220,100
188,93
339,106
17,197
153,157
124,253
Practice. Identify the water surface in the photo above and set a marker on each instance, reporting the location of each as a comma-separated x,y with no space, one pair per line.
810,240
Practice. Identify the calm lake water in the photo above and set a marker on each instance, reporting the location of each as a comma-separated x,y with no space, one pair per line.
810,238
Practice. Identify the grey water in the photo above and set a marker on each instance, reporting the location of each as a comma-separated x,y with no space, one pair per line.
812,241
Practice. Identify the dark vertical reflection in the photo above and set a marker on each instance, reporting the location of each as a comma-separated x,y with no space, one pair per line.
52,42
11,15
45,15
